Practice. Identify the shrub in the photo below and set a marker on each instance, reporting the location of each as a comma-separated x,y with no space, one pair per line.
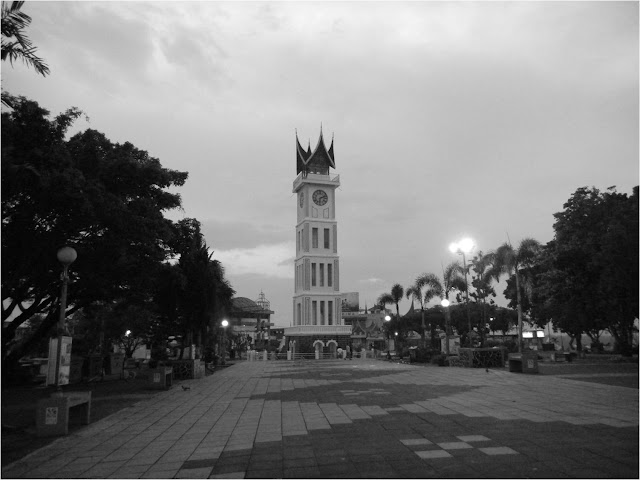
423,355
439,360
511,346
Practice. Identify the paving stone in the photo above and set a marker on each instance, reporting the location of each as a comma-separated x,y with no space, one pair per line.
253,417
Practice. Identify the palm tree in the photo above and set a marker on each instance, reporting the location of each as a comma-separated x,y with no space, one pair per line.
483,266
15,43
509,261
453,279
433,289
397,292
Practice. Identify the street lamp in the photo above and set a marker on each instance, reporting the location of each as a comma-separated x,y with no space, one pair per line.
445,304
386,319
463,247
224,324
66,256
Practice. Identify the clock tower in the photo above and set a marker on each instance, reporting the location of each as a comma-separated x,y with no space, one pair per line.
317,305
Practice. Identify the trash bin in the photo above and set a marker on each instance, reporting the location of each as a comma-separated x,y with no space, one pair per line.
412,354
530,362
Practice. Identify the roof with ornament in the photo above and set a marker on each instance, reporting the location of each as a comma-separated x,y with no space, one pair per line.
317,161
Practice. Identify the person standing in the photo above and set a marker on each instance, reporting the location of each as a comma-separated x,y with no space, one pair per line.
348,352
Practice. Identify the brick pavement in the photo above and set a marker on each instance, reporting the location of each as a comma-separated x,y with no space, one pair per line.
357,419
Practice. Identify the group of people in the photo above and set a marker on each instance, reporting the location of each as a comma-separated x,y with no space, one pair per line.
349,352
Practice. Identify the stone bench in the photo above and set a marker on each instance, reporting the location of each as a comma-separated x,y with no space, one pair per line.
52,414
161,378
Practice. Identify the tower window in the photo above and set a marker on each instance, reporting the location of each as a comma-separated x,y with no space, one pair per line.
322,313
330,312
322,274
313,274
326,238
329,275
314,312
314,238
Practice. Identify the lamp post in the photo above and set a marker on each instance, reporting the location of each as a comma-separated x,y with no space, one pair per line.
445,304
386,319
224,324
463,247
66,256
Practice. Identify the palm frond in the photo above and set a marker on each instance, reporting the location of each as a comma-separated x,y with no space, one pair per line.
385,299
397,292
13,24
528,249
505,259
415,293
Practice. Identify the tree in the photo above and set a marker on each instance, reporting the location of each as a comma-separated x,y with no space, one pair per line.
451,280
484,270
105,199
433,288
15,43
397,292
590,272
509,260
200,295
383,300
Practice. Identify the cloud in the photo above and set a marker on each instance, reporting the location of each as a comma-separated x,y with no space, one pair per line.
261,261
232,235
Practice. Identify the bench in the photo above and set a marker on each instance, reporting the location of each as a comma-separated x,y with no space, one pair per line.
560,357
523,363
52,414
161,378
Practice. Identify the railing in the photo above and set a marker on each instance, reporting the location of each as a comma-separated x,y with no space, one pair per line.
318,329
317,178
187,369
482,357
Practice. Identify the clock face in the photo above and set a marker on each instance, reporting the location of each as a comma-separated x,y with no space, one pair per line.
301,199
320,197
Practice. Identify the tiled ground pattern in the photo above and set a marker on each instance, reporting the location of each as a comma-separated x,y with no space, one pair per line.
360,419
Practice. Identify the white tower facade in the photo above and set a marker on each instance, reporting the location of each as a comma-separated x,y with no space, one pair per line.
317,305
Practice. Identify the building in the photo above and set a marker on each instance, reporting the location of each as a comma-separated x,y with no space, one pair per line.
317,303
250,321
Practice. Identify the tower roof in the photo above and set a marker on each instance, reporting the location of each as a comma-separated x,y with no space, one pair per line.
317,161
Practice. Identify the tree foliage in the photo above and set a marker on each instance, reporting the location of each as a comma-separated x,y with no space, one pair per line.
510,260
15,43
105,199
590,276
192,294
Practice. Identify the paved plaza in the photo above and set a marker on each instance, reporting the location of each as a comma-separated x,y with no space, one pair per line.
357,419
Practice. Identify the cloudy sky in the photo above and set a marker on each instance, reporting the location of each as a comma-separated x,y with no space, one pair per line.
449,119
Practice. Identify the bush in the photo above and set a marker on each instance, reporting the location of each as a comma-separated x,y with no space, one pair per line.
511,346
423,355
439,360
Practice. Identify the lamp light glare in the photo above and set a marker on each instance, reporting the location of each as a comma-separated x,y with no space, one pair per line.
387,318
67,255
466,245
444,302
224,323
453,247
